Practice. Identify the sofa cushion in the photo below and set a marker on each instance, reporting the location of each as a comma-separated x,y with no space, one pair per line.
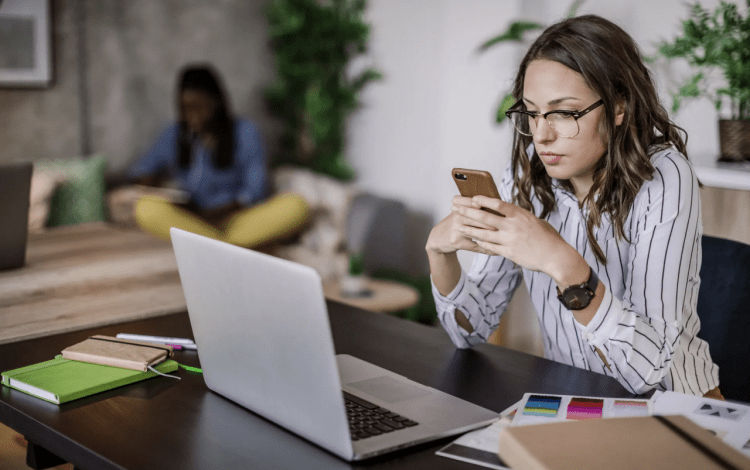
43,187
80,198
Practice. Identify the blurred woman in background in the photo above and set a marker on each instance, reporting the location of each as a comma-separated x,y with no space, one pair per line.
218,162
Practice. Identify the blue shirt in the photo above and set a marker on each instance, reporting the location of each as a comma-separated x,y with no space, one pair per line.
209,187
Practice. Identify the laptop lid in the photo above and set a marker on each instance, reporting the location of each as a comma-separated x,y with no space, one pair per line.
15,189
262,331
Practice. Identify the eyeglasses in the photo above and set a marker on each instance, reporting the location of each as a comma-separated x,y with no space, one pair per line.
563,122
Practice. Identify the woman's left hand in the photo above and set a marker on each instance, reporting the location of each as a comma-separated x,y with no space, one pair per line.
520,236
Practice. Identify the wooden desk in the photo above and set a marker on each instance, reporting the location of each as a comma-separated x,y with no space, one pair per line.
167,424
383,296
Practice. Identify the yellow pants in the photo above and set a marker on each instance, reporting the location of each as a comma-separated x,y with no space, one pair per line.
269,221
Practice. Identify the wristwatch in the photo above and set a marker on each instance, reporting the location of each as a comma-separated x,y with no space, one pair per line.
578,297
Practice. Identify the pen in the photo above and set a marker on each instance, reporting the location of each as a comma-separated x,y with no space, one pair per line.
157,339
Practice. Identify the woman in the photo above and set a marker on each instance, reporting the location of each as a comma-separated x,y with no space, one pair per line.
219,161
604,224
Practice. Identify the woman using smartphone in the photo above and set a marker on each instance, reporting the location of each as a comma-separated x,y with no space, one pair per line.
602,220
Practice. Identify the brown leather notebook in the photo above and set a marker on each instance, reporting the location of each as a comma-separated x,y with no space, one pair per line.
649,442
116,352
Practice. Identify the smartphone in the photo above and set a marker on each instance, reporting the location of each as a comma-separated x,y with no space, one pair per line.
476,183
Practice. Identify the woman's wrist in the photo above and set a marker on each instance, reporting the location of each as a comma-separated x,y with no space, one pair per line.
437,245
438,256
569,268
445,271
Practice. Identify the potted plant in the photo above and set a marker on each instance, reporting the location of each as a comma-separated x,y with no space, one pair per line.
313,42
710,42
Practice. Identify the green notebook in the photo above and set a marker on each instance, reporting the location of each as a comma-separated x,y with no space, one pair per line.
61,380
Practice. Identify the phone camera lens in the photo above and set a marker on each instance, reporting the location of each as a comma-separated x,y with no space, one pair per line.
460,176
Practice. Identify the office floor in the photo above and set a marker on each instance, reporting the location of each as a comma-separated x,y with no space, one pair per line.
13,451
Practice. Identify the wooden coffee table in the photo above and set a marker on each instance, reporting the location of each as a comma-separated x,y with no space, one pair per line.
382,296
87,275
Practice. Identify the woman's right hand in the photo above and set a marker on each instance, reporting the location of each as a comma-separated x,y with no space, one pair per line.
445,238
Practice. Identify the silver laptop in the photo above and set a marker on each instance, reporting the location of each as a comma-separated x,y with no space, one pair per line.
15,190
264,338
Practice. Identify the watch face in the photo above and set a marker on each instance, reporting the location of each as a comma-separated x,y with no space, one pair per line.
579,297
576,299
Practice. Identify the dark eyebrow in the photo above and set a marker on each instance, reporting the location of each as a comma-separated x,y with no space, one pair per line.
555,101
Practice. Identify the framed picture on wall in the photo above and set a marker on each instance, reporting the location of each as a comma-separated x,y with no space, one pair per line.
25,43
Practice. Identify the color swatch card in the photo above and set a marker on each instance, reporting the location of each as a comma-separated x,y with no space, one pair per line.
585,408
542,405
536,408
623,407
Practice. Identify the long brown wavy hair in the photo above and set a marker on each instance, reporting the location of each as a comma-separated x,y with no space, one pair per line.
610,62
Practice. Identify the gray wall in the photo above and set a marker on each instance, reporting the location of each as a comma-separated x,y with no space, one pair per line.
43,123
133,52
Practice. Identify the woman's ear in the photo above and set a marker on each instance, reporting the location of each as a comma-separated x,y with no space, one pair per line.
619,112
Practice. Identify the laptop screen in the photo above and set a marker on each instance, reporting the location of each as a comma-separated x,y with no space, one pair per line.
15,188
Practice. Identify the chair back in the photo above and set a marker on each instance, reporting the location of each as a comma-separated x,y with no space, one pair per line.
724,312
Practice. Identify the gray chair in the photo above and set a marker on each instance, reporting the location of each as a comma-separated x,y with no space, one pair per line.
377,228
724,311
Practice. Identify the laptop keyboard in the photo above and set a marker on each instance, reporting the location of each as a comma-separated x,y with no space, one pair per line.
368,419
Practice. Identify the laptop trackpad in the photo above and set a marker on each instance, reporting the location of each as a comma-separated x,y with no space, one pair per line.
389,389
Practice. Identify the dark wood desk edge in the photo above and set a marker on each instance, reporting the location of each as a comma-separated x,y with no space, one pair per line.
49,439
46,437
70,450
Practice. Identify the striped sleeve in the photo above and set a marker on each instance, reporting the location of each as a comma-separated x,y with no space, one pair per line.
482,294
639,335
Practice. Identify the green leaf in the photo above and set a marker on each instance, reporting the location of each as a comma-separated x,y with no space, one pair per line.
335,166
505,105
676,102
689,89
356,263
573,9
514,32
364,78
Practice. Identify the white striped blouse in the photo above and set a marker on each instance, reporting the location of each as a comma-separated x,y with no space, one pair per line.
647,323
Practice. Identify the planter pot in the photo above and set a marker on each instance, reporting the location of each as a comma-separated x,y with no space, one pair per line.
734,139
